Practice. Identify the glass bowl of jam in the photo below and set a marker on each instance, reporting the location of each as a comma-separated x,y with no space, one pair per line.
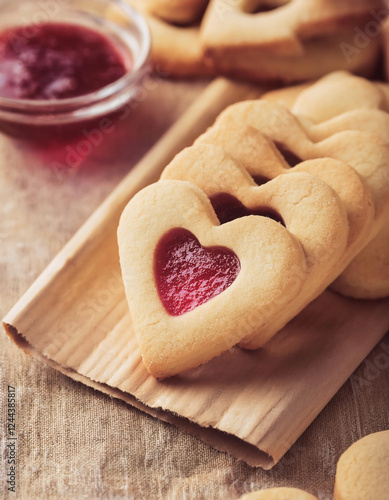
65,64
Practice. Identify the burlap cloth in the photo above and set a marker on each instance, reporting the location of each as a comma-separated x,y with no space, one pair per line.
73,442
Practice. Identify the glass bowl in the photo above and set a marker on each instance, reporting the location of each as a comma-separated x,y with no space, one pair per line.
116,20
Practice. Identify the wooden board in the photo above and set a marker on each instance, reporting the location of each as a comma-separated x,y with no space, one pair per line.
252,404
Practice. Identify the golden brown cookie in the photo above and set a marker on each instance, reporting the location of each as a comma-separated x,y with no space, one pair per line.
335,103
385,39
279,494
279,27
210,169
290,40
367,153
176,49
196,288
177,11
179,49
362,470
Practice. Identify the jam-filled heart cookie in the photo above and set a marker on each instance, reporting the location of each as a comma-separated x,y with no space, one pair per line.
367,153
196,288
176,49
303,203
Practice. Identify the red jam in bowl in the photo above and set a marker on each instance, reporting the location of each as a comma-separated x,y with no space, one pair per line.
57,61
187,274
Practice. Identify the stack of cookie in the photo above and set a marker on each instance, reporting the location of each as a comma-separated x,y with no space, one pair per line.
268,208
262,40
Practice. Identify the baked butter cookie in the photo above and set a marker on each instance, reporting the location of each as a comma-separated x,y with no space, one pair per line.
198,284
363,150
177,11
362,472
340,102
289,40
305,204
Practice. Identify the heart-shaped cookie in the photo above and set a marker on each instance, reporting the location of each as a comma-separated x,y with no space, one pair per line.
342,101
236,131
308,207
272,269
278,27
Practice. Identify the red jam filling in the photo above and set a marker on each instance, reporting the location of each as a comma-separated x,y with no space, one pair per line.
56,61
228,208
187,274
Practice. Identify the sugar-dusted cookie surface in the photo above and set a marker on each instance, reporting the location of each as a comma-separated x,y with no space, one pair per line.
195,288
229,185
364,150
335,103
362,470
279,494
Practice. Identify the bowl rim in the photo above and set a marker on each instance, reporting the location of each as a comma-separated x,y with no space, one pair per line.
130,78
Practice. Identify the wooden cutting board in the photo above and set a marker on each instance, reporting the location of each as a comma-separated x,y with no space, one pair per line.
253,405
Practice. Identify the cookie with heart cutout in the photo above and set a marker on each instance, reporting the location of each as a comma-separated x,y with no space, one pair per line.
307,206
176,50
367,153
333,95
341,101
289,40
362,470
279,494
196,288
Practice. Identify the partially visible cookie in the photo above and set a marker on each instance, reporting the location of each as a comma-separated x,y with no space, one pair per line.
340,102
308,208
260,66
279,494
362,472
291,40
279,27
184,43
192,284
